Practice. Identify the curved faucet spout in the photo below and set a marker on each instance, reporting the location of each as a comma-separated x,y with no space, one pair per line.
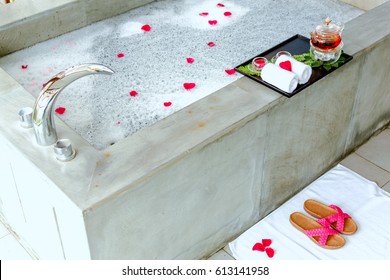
43,119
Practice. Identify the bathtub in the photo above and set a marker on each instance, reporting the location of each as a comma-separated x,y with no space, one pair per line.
183,187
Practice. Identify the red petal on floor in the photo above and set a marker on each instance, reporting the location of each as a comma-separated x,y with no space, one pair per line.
118,122
146,28
204,14
227,14
270,252
24,66
133,93
189,86
258,247
211,44
266,242
230,71
190,60
120,55
213,22
167,104
220,5
60,110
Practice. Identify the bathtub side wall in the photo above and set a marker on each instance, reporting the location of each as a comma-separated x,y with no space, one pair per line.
190,207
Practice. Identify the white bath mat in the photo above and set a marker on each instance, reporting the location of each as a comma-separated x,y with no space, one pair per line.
368,205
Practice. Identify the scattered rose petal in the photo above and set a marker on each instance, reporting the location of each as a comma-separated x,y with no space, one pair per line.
227,14
167,104
211,44
60,110
118,122
190,60
24,66
230,71
220,5
189,86
258,247
266,242
120,55
286,65
270,252
213,22
133,93
204,14
146,28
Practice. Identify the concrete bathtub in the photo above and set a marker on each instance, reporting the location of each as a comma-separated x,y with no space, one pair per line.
185,186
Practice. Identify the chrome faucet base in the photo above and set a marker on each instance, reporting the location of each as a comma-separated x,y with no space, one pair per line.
43,119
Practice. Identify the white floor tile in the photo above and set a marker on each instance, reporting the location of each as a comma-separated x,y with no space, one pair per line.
10,249
377,150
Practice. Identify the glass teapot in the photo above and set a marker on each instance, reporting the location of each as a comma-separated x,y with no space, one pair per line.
326,43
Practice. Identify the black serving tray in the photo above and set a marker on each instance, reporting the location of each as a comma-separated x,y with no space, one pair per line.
297,44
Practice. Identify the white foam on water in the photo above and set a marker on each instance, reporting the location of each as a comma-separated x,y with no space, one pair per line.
191,17
130,28
100,108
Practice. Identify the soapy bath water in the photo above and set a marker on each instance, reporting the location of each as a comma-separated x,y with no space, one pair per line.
154,64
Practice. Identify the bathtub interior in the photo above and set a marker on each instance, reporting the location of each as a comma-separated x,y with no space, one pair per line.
151,66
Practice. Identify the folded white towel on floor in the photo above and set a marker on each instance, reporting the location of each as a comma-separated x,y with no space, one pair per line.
362,199
302,70
280,78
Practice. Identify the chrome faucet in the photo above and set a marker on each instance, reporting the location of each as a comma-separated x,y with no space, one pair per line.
43,119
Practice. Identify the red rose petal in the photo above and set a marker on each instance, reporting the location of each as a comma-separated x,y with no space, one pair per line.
230,71
146,28
270,252
213,22
286,65
211,44
167,104
60,110
24,66
266,242
189,86
220,5
227,14
118,122
120,55
190,60
133,93
204,14
258,247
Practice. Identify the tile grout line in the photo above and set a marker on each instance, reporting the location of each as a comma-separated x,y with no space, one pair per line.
387,171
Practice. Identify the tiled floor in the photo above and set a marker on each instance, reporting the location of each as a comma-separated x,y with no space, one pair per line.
371,160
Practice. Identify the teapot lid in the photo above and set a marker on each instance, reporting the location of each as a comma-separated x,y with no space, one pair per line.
329,28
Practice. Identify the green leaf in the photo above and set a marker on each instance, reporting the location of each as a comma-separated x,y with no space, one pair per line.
246,70
327,67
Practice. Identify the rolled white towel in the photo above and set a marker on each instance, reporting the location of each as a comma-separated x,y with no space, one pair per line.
280,78
302,70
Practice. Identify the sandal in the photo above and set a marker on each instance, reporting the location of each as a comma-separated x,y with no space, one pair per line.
318,231
337,219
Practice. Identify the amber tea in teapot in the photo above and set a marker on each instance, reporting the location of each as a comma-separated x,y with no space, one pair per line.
326,43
